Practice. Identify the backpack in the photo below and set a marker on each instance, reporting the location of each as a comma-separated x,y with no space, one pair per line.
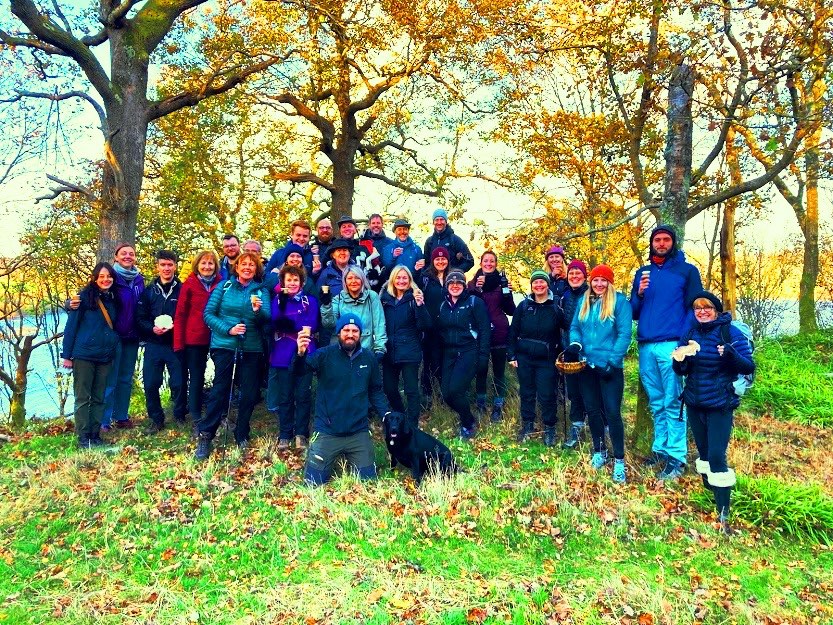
744,381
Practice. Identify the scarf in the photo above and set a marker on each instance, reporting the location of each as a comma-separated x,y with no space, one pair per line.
206,282
658,260
492,280
129,275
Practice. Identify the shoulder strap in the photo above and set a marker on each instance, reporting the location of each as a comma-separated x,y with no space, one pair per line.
105,313
725,334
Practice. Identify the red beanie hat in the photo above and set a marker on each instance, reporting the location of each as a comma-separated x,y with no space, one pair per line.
602,271
439,252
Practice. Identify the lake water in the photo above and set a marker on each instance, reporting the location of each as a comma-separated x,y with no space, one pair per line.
41,397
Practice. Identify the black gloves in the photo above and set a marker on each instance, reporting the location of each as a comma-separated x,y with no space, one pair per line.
572,352
283,298
284,325
325,298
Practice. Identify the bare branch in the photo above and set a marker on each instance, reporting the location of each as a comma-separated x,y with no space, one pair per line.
66,187
116,15
614,225
57,97
28,42
324,125
395,184
61,16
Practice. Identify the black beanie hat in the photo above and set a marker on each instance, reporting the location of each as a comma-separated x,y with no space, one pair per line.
718,306
669,230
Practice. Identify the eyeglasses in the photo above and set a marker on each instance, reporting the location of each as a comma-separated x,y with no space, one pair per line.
702,308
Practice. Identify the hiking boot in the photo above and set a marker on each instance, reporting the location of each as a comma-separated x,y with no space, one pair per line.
154,427
300,442
549,435
480,407
243,445
527,429
84,442
574,436
283,443
619,471
124,424
203,446
599,459
673,470
725,528
497,414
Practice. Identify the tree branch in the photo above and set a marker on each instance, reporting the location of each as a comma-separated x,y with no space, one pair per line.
57,97
613,226
190,98
66,187
116,15
395,184
303,177
324,125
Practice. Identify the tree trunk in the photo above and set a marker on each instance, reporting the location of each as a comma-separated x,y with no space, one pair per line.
344,182
810,229
728,261
125,146
674,208
17,407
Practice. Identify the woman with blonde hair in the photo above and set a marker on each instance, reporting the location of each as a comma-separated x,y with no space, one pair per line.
406,318
192,337
601,331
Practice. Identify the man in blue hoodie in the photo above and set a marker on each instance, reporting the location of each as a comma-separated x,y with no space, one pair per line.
661,298
349,382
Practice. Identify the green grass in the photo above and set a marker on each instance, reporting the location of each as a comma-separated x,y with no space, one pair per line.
793,379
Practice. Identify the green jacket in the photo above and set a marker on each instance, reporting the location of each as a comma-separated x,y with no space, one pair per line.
368,308
229,304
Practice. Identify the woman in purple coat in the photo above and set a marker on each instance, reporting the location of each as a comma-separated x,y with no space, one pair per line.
494,289
290,394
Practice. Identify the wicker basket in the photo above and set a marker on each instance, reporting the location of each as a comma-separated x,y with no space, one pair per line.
568,368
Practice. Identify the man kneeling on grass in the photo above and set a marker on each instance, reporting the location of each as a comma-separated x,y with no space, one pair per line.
348,383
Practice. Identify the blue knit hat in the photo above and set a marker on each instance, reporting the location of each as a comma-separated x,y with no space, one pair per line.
346,320
294,248
440,212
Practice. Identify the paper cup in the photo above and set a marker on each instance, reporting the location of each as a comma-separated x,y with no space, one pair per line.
325,288
306,330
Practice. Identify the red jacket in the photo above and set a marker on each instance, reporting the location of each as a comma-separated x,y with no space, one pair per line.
189,327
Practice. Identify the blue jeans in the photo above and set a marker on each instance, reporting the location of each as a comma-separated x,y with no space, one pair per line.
120,382
664,388
158,357
290,396
195,359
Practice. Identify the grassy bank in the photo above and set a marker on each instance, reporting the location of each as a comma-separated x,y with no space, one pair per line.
526,535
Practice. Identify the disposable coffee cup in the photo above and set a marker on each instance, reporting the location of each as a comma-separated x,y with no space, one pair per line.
76,298
306,330
325,288
254,299
646,273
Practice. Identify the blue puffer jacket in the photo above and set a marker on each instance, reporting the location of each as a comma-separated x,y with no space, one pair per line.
664,311
409,256
603,342
229,304
331,275
709,376
87,335
405,323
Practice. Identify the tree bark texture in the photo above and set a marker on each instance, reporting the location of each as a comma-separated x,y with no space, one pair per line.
728,260
674,207
17,406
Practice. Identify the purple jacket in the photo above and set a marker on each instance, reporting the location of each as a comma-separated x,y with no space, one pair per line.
128,296
301,310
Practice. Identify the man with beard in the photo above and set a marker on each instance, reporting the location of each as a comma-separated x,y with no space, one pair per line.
444,236
661,298
349,382
320,244
231,250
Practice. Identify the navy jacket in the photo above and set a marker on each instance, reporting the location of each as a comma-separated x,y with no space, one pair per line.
279,258
405,323
87,335
709,375
455,245
664,311
465,325
157,300
535,332
347,387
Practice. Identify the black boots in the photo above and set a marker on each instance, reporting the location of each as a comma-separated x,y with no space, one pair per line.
203,446
549,435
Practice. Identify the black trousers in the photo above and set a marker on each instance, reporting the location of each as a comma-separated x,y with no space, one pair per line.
459,369
248,370
577,410
410,376
432,362
603,400
497,355
194,361
538,385
712,429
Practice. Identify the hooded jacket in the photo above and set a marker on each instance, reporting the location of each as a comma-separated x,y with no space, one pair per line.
535,332
229,304
664,310
465,325
87,335
405,322
299,311
603,342
157,299
366,307
128,296
189,326
409,256
454,244
709,376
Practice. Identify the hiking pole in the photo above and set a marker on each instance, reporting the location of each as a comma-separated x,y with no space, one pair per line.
231,395
562,388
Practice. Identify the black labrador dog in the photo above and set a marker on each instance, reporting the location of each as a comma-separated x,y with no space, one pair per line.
415,449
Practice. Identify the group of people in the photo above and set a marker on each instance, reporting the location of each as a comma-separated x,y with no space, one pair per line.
367,313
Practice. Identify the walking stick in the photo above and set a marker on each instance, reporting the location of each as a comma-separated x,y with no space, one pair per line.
230,398
562,386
